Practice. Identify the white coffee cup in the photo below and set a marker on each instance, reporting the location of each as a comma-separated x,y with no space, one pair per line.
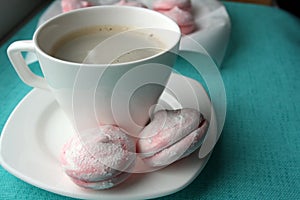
93,94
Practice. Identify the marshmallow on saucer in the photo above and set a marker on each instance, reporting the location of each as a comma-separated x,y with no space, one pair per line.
171,135
99,158
179,11
130,3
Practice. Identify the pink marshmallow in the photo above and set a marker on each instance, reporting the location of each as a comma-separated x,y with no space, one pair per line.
161,5
130,3
183,18
179,150
166,128
104,184
171,135
68,5
98,155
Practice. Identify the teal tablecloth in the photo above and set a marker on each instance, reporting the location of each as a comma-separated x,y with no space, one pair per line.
258,154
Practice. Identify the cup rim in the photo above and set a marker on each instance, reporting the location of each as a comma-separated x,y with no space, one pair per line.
168,49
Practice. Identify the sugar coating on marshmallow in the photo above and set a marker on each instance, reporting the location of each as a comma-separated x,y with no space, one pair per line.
68,5
169,4
179,11
98,154
181,17
178,150
130,3
166,128
171,135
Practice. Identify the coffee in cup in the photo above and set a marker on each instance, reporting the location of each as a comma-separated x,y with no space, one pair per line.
78,45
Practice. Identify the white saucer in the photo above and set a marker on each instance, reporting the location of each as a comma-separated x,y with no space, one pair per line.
36,130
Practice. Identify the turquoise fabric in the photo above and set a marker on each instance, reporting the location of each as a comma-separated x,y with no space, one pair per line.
258,154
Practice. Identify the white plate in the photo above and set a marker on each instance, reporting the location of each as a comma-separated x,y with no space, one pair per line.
36,130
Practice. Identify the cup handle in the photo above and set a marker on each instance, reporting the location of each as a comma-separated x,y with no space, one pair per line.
22,69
